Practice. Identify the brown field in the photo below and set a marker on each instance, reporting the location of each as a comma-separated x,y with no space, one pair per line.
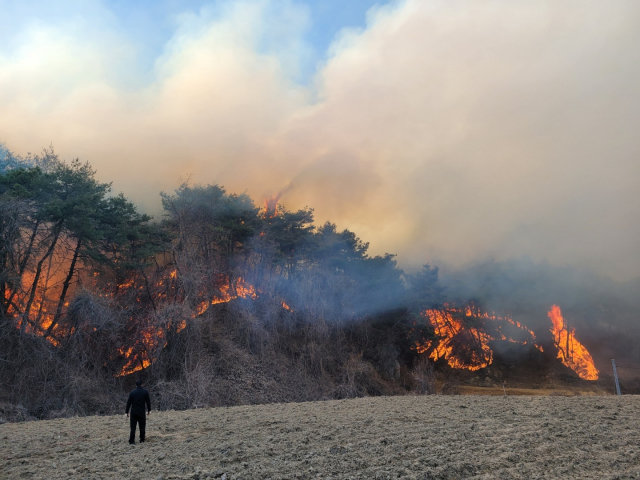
412,437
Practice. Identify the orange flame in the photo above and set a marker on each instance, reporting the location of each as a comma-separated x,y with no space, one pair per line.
453,335
242,290
137,352
136,361
570,351
464,345
270,206
142,357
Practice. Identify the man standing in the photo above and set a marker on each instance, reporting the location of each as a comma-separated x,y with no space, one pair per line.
137,400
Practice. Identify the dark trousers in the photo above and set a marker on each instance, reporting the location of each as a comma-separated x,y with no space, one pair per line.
142,421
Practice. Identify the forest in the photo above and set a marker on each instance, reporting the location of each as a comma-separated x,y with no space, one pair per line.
223,302
219,302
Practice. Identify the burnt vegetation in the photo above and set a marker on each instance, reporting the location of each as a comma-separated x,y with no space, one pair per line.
219,302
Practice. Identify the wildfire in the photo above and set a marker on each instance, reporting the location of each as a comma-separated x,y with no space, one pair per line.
140,358
271,206
244,290
570,351
135,363
241,289
137,352
464,336
461,347
37,320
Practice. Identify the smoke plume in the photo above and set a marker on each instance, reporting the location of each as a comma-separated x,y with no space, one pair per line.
444,131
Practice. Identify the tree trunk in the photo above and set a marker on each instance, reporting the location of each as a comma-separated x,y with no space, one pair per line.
65,288
568,353
27,254
22,267
146,285
56,234
44,292
3,282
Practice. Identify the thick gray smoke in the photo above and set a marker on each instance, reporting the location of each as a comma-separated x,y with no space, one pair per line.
603,312
445,131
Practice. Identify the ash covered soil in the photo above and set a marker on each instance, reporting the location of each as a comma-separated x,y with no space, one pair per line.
419,437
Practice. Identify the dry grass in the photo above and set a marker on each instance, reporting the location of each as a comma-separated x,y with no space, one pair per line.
410,437
560,391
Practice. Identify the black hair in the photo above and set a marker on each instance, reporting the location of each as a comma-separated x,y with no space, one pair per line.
138,383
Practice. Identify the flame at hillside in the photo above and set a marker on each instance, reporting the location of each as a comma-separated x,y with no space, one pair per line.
570,351
239,289
40,318
464,336
141,355
139,349
145,294
116,294
461,347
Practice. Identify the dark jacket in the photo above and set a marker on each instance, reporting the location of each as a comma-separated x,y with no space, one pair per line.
137,399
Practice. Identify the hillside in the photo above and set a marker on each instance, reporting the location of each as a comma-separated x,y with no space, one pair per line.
222,303
417,437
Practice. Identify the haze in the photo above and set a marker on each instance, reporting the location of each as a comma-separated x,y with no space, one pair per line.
442,131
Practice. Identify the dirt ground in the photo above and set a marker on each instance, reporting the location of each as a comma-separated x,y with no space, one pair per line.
418,437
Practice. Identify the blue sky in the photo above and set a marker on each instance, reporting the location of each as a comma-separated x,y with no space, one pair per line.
150,24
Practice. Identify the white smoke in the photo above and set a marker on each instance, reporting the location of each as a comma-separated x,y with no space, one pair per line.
445,131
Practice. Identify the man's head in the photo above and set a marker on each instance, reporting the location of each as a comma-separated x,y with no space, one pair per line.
138,383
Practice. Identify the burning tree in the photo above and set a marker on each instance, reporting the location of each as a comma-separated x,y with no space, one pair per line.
64,232
59,212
